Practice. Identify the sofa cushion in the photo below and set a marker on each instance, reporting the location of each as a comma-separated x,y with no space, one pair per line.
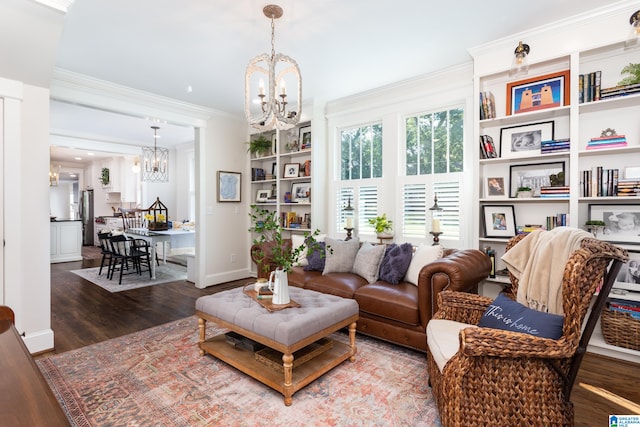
367,262
298,240
315,257
395,262
340,255
340,284
509,315
424,255
396,302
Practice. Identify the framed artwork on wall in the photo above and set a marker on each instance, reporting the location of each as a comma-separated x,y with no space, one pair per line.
534,176
621,222
301,192
229,186
291,170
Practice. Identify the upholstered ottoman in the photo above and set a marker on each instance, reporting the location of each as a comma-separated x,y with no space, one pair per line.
286,331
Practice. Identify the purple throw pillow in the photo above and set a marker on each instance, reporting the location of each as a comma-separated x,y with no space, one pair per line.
395,263
315,257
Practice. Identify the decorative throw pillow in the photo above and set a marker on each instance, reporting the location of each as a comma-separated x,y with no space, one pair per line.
424,255
395,263
340,255
509,315
315,257
367,261
298,240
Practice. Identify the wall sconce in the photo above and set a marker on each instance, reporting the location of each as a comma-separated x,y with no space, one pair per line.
634,28
54,176
520,63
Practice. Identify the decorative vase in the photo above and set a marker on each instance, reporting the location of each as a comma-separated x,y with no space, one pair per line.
384,235
524,194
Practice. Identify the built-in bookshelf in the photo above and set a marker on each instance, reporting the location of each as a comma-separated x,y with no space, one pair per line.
594,140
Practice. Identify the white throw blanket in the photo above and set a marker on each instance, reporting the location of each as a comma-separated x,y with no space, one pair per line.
538,261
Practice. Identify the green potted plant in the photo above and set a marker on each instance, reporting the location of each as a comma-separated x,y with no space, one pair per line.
104,176
524,192
269,241
382,225
259,146
594,226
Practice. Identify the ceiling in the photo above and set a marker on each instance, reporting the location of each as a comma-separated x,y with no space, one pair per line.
343,47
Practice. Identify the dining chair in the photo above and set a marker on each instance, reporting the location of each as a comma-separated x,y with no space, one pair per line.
126,257
107,253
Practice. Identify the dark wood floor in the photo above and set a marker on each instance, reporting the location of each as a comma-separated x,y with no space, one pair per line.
83,314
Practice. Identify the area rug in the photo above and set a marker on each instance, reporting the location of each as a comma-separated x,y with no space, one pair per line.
157,377
168,272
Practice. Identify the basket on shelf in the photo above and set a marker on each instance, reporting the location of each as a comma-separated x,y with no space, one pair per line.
620,329
157,216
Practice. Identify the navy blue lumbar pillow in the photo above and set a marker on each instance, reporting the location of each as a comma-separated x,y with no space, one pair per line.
315,257
504,313
395,263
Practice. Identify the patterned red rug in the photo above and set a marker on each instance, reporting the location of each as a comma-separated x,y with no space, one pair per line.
157,377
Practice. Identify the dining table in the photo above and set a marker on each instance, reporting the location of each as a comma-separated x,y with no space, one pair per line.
176,239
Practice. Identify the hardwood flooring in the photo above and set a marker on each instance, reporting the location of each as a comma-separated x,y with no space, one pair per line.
84,314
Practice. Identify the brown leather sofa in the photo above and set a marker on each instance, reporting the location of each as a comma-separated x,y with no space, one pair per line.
399,313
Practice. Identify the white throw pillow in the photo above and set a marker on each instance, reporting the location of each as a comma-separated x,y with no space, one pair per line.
368,261
424,255
340,255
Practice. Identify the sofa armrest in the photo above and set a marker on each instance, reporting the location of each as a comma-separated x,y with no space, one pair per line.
460,271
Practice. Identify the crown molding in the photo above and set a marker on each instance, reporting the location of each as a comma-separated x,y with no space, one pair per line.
58,5
81,89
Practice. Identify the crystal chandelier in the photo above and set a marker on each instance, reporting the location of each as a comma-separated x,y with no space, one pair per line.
155,161
268,109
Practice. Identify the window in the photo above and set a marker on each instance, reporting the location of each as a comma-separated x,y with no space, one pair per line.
361,152
416,216
434,143
367,207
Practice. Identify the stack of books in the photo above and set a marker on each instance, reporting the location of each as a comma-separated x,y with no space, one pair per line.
616,91
487,147
600,182
560,191
559,220
629,187
487,106
607,142
555,146
589,87
630,307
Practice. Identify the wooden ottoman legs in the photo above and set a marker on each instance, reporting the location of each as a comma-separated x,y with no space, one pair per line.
352,339
287,364
202,323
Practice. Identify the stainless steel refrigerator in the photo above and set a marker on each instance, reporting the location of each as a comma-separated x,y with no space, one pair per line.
86,216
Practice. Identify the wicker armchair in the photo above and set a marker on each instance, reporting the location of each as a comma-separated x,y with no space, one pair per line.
501,377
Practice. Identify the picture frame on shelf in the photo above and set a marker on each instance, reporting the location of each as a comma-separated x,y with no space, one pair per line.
621,222
524,140
499,220
262,196
494,187
538,93
274,143
307,220
291,170
534,176
229,186
628,277
301,192
304,137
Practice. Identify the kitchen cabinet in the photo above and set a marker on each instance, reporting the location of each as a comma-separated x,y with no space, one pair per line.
66,241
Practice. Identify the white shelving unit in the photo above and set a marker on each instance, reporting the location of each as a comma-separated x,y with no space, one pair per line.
280,184
574,120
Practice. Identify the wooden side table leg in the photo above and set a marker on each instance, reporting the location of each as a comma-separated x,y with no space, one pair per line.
202,324
287,364
352,339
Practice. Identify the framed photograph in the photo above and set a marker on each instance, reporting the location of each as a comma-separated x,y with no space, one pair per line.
291,170
494,187
301,192
628,278
307,220
262,196
499,221
533,176
524,140
305,137
621,222
229,186
538,93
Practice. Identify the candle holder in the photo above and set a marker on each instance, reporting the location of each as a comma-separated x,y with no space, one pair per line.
436,239
349,230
